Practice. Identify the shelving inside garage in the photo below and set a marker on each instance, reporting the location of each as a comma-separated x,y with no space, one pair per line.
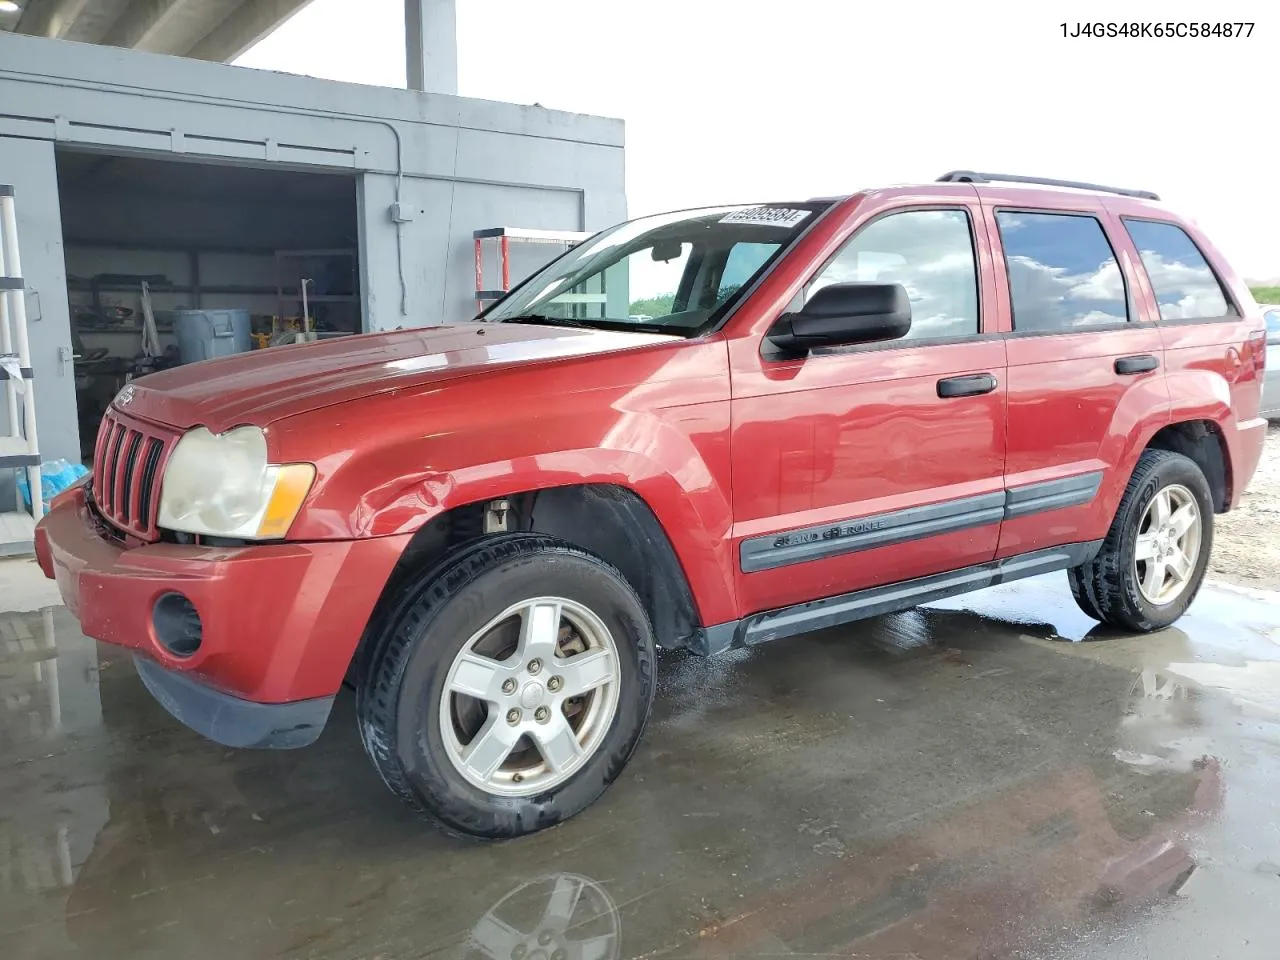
204,236
204,278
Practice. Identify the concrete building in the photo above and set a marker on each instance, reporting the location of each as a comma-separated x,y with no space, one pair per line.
224,185
217,30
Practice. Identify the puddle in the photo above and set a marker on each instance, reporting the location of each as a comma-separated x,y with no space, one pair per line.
968,779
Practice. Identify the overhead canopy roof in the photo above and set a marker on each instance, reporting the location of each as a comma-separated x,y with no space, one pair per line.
204,29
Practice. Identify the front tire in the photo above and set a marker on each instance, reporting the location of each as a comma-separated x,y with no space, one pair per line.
1155,555
509,688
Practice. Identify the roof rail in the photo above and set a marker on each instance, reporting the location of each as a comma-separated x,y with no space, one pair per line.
973,176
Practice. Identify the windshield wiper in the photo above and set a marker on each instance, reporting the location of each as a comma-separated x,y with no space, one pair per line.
545,318
625,326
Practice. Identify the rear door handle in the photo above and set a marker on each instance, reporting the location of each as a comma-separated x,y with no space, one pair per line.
1143,363
968,386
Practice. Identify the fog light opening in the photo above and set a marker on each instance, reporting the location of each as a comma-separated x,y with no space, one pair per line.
177,625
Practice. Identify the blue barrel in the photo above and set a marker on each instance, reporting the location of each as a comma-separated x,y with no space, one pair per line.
206,334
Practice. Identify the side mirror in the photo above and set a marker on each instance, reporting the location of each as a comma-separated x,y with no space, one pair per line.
843,314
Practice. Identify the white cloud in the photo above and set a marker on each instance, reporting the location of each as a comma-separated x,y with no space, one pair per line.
739,101
1184,291
1047,297
930,254
1106,283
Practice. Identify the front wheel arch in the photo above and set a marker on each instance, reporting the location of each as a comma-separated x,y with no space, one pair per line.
423,631
606,520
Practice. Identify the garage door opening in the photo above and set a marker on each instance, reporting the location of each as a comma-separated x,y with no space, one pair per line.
243,245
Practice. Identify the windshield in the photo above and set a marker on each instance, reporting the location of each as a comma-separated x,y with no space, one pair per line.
674,272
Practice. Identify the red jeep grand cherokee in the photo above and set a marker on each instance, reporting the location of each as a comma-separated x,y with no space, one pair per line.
820,411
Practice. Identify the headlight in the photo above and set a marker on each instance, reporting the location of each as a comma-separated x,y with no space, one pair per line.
222,485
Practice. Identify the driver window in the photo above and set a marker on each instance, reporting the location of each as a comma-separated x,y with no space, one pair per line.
929,252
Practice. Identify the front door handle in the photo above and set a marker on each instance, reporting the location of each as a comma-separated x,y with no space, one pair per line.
1143,363
968,386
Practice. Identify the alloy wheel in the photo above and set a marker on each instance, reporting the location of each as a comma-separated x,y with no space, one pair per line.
530,696
1168,544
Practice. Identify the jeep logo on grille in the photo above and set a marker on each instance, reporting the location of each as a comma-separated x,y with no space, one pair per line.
125,397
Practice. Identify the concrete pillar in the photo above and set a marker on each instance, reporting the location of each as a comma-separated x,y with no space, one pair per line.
431,45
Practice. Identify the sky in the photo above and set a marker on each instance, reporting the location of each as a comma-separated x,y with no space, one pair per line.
729,101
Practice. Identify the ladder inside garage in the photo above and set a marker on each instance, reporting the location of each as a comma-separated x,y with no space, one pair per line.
18,444
504,236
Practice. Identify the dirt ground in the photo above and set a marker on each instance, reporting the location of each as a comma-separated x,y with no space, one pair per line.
1246,549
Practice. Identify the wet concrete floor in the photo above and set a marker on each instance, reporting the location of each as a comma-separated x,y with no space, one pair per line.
990,777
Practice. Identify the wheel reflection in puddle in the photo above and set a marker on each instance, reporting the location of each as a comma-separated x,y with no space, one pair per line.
563,916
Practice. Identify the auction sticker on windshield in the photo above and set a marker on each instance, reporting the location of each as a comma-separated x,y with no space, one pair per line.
767,216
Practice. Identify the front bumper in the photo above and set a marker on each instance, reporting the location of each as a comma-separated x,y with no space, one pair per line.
280,622
229,720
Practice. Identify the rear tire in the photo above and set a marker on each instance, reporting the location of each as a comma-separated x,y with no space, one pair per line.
1155,555
1081,583
509,687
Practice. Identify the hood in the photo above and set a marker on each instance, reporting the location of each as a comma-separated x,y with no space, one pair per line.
267,385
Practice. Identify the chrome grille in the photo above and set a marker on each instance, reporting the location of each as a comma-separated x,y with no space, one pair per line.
127,464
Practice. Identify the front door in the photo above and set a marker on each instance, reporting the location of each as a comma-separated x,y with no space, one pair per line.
1084,368
860,466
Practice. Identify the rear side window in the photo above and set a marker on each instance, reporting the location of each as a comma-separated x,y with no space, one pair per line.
1063,274
1185,285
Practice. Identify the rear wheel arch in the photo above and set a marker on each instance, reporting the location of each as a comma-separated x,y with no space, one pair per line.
1203,442
1118,585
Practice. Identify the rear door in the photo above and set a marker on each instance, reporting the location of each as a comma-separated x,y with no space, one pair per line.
864,465
1084,366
